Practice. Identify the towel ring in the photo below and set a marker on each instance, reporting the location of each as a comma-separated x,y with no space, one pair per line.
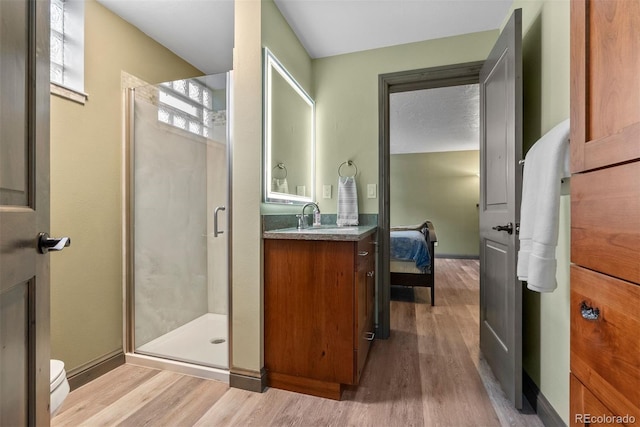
348,163
282,167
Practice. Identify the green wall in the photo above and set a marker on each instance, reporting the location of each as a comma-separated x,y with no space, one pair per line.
346,94
545,50
442,187
86,187
278,36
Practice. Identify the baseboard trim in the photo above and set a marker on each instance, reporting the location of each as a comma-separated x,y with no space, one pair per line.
249,382
540,404
89,372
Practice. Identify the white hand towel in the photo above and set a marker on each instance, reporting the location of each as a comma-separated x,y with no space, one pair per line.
280,185
545,165
347,201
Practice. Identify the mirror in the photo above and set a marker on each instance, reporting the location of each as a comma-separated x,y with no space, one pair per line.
288,138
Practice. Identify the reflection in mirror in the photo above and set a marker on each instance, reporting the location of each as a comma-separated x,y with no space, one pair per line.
289,137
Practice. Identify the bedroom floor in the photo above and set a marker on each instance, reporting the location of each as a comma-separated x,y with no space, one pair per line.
429,372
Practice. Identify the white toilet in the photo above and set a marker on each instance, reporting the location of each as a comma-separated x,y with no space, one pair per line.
59,386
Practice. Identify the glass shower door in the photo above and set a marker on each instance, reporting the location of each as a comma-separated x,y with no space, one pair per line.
180,187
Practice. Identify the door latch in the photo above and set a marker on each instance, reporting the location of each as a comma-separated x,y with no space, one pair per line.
508,228
46,243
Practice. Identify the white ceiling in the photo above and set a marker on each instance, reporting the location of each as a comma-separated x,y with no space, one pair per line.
333,27
201,32
198,31
434,120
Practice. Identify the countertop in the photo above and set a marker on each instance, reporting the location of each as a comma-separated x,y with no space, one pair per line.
323,232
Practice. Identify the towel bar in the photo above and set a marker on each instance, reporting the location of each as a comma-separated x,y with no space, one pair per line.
348,163
281,166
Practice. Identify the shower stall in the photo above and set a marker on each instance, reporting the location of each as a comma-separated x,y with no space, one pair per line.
177,294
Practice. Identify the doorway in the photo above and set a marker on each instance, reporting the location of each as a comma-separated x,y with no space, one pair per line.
178,234
388,84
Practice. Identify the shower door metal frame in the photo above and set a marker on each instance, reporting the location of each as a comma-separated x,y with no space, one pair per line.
129,239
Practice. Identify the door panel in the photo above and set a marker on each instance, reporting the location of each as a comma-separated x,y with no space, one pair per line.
496,271
13,103
495,159
24,212
500,189
609,109
604,120
13,346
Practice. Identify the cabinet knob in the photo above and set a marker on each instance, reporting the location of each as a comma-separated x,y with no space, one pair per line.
363,253
588,312
370,273
369,336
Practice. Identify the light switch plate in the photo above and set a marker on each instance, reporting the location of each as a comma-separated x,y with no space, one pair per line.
371,191
326,191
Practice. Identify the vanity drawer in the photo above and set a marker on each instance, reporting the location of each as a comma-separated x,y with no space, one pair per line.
605,224
605,345
584,405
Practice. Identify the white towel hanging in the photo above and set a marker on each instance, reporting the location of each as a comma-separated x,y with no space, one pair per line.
347,201
545,165
280,185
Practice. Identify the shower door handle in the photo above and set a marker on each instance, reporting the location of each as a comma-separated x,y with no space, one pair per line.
215,221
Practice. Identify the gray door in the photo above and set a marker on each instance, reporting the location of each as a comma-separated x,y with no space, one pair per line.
500,184
24,212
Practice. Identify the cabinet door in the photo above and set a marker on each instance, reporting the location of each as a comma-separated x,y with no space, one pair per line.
362,344
605,65
309,302
365,283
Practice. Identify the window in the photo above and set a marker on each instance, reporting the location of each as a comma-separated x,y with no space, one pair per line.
67,44
188,105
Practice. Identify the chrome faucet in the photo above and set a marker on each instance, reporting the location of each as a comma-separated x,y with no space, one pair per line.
302,221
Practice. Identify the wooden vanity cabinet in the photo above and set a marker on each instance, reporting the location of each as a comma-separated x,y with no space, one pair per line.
319,313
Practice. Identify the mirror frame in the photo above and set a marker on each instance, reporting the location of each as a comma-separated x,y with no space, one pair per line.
271,65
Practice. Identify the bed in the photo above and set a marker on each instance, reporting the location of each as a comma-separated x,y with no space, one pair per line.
412,256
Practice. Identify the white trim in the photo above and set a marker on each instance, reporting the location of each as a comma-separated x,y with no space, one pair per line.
178,367
70,94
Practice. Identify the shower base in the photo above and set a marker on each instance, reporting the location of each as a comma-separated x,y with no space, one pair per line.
203,341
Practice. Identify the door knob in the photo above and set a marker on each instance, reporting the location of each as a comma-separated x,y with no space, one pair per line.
46,243
508,228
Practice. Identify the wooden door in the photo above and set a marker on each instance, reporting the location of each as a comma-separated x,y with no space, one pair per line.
500,189
24,212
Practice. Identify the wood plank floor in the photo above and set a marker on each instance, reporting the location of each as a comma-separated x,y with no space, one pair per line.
429,373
